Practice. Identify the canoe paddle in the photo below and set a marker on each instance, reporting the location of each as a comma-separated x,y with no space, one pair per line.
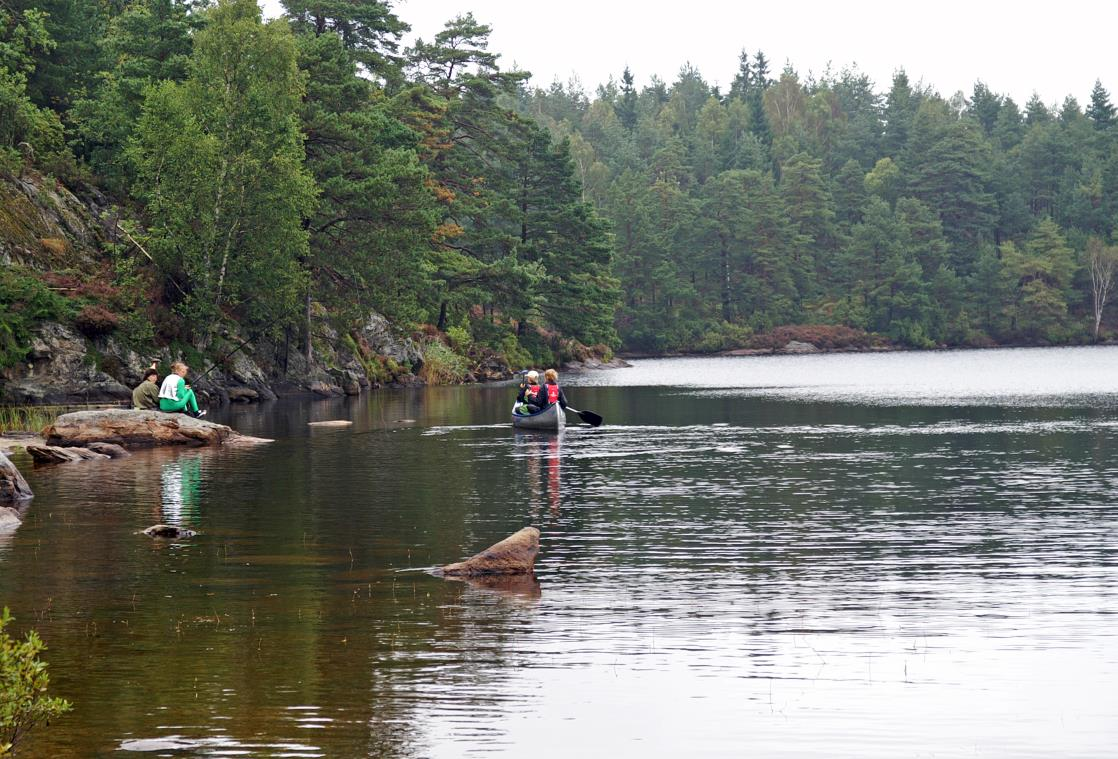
589,417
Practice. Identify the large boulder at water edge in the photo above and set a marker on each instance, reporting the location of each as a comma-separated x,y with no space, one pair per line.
13,488
515,555
138,429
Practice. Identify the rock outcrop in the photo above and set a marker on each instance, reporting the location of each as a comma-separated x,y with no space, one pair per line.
798,347
515,555
134,429
58,371
13,488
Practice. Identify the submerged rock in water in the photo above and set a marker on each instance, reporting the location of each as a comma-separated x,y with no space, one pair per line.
13,488
331,423
515,555
108,449
130,428
51,454
9,519
168,531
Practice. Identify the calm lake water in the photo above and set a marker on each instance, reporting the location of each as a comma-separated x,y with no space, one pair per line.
889,555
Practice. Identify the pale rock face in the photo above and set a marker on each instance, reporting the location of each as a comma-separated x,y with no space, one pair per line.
515,555
59,371
380,336
795,346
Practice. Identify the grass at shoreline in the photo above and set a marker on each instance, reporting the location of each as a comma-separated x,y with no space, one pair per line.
27,418
36,418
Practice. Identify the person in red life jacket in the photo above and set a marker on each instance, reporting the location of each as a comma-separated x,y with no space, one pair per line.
531,394
551,391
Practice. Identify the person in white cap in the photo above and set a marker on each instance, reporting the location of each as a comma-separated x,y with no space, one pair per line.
529,396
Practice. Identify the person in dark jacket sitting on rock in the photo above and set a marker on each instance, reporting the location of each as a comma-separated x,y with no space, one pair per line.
146,395
550,391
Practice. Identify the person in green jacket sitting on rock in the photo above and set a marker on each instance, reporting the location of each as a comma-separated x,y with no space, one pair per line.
146,395
177,396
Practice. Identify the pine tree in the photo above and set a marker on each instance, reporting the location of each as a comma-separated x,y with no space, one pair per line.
626,106
368,28
149,42
1036,112
881,267
1009,128
375,217
985,106
810,209
23,40
66,72
948,167
743,79
1038,277
1101,111
901,105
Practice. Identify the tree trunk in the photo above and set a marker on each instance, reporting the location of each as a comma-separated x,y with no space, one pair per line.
725,261
308,347
441,326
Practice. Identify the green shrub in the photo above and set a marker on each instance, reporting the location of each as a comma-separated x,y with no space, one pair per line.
441,365
721,337
514,353
23,685
460,339
24,300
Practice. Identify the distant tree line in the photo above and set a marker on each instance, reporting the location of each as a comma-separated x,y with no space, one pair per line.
791,200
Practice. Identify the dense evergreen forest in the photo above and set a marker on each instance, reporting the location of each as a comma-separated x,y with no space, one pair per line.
789,200
314,167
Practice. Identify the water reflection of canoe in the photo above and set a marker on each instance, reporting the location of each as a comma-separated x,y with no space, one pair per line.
551,418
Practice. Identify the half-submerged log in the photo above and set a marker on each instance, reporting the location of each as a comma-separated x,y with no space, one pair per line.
13,488
138,429
515,555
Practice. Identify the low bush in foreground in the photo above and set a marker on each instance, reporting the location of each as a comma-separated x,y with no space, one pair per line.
23,686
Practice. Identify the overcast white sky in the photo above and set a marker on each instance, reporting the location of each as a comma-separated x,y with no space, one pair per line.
1054,48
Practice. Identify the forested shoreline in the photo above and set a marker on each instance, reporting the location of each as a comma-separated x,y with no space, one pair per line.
268,176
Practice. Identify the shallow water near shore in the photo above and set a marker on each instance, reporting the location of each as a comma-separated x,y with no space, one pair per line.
904,554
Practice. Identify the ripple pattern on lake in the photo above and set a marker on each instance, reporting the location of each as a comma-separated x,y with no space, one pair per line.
719,576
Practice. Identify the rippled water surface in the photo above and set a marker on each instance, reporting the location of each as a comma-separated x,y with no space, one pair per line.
853,555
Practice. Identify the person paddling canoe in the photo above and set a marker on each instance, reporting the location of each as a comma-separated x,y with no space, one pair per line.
551,392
